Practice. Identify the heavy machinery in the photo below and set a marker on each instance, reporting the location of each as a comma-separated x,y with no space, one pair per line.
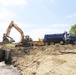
5,52
64,38
24,41
51,39
40,42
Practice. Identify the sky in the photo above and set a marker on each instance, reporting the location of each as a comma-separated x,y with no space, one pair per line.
37,17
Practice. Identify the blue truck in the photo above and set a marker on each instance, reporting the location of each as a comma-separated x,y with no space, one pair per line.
64,38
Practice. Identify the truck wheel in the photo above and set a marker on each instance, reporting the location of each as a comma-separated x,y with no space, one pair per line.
75,42
52,43
8,57
61,42
46,43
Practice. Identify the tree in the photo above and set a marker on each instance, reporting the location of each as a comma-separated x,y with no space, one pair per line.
73,30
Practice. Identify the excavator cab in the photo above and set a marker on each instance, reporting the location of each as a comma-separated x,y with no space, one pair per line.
27,38
26,41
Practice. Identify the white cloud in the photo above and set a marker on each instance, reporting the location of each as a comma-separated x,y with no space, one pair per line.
13,2
24,24
59,25
45,1
75,15
51,0
71,16
6,14
3,25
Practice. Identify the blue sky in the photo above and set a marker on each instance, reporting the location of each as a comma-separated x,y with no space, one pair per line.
37,17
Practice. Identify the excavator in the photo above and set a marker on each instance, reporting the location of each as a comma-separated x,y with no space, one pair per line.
5,51
24,41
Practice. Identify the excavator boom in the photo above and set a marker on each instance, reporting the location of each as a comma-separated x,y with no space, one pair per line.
17,28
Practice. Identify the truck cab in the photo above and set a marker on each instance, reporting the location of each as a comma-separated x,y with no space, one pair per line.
72,39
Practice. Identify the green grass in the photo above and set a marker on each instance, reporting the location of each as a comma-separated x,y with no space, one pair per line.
10,45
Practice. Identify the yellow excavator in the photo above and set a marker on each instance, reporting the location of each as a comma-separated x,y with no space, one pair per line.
5,51
24,41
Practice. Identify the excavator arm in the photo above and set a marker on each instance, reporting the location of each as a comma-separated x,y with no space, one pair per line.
17,28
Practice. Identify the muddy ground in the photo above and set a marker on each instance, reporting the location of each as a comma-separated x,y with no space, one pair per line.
46,60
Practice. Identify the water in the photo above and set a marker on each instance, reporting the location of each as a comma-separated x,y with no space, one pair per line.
8,69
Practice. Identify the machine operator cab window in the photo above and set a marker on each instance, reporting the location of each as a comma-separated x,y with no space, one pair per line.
27,38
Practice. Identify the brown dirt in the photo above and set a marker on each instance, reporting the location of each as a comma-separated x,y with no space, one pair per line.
46,60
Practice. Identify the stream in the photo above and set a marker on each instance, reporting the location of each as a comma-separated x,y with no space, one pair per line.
8,69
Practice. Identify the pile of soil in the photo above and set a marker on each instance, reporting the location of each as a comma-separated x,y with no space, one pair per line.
46,60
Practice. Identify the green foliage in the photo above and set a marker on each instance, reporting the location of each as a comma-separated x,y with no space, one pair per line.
73,30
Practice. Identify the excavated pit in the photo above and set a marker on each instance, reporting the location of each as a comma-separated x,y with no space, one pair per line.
43,60
6,68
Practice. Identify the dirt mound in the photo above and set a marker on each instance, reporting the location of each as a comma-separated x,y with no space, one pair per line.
46,60
54,49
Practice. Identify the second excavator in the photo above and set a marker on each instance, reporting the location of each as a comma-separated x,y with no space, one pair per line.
24,41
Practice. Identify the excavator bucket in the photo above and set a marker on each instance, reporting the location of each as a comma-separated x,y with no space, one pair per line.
12,40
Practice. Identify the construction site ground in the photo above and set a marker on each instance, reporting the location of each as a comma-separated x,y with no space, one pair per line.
45,60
